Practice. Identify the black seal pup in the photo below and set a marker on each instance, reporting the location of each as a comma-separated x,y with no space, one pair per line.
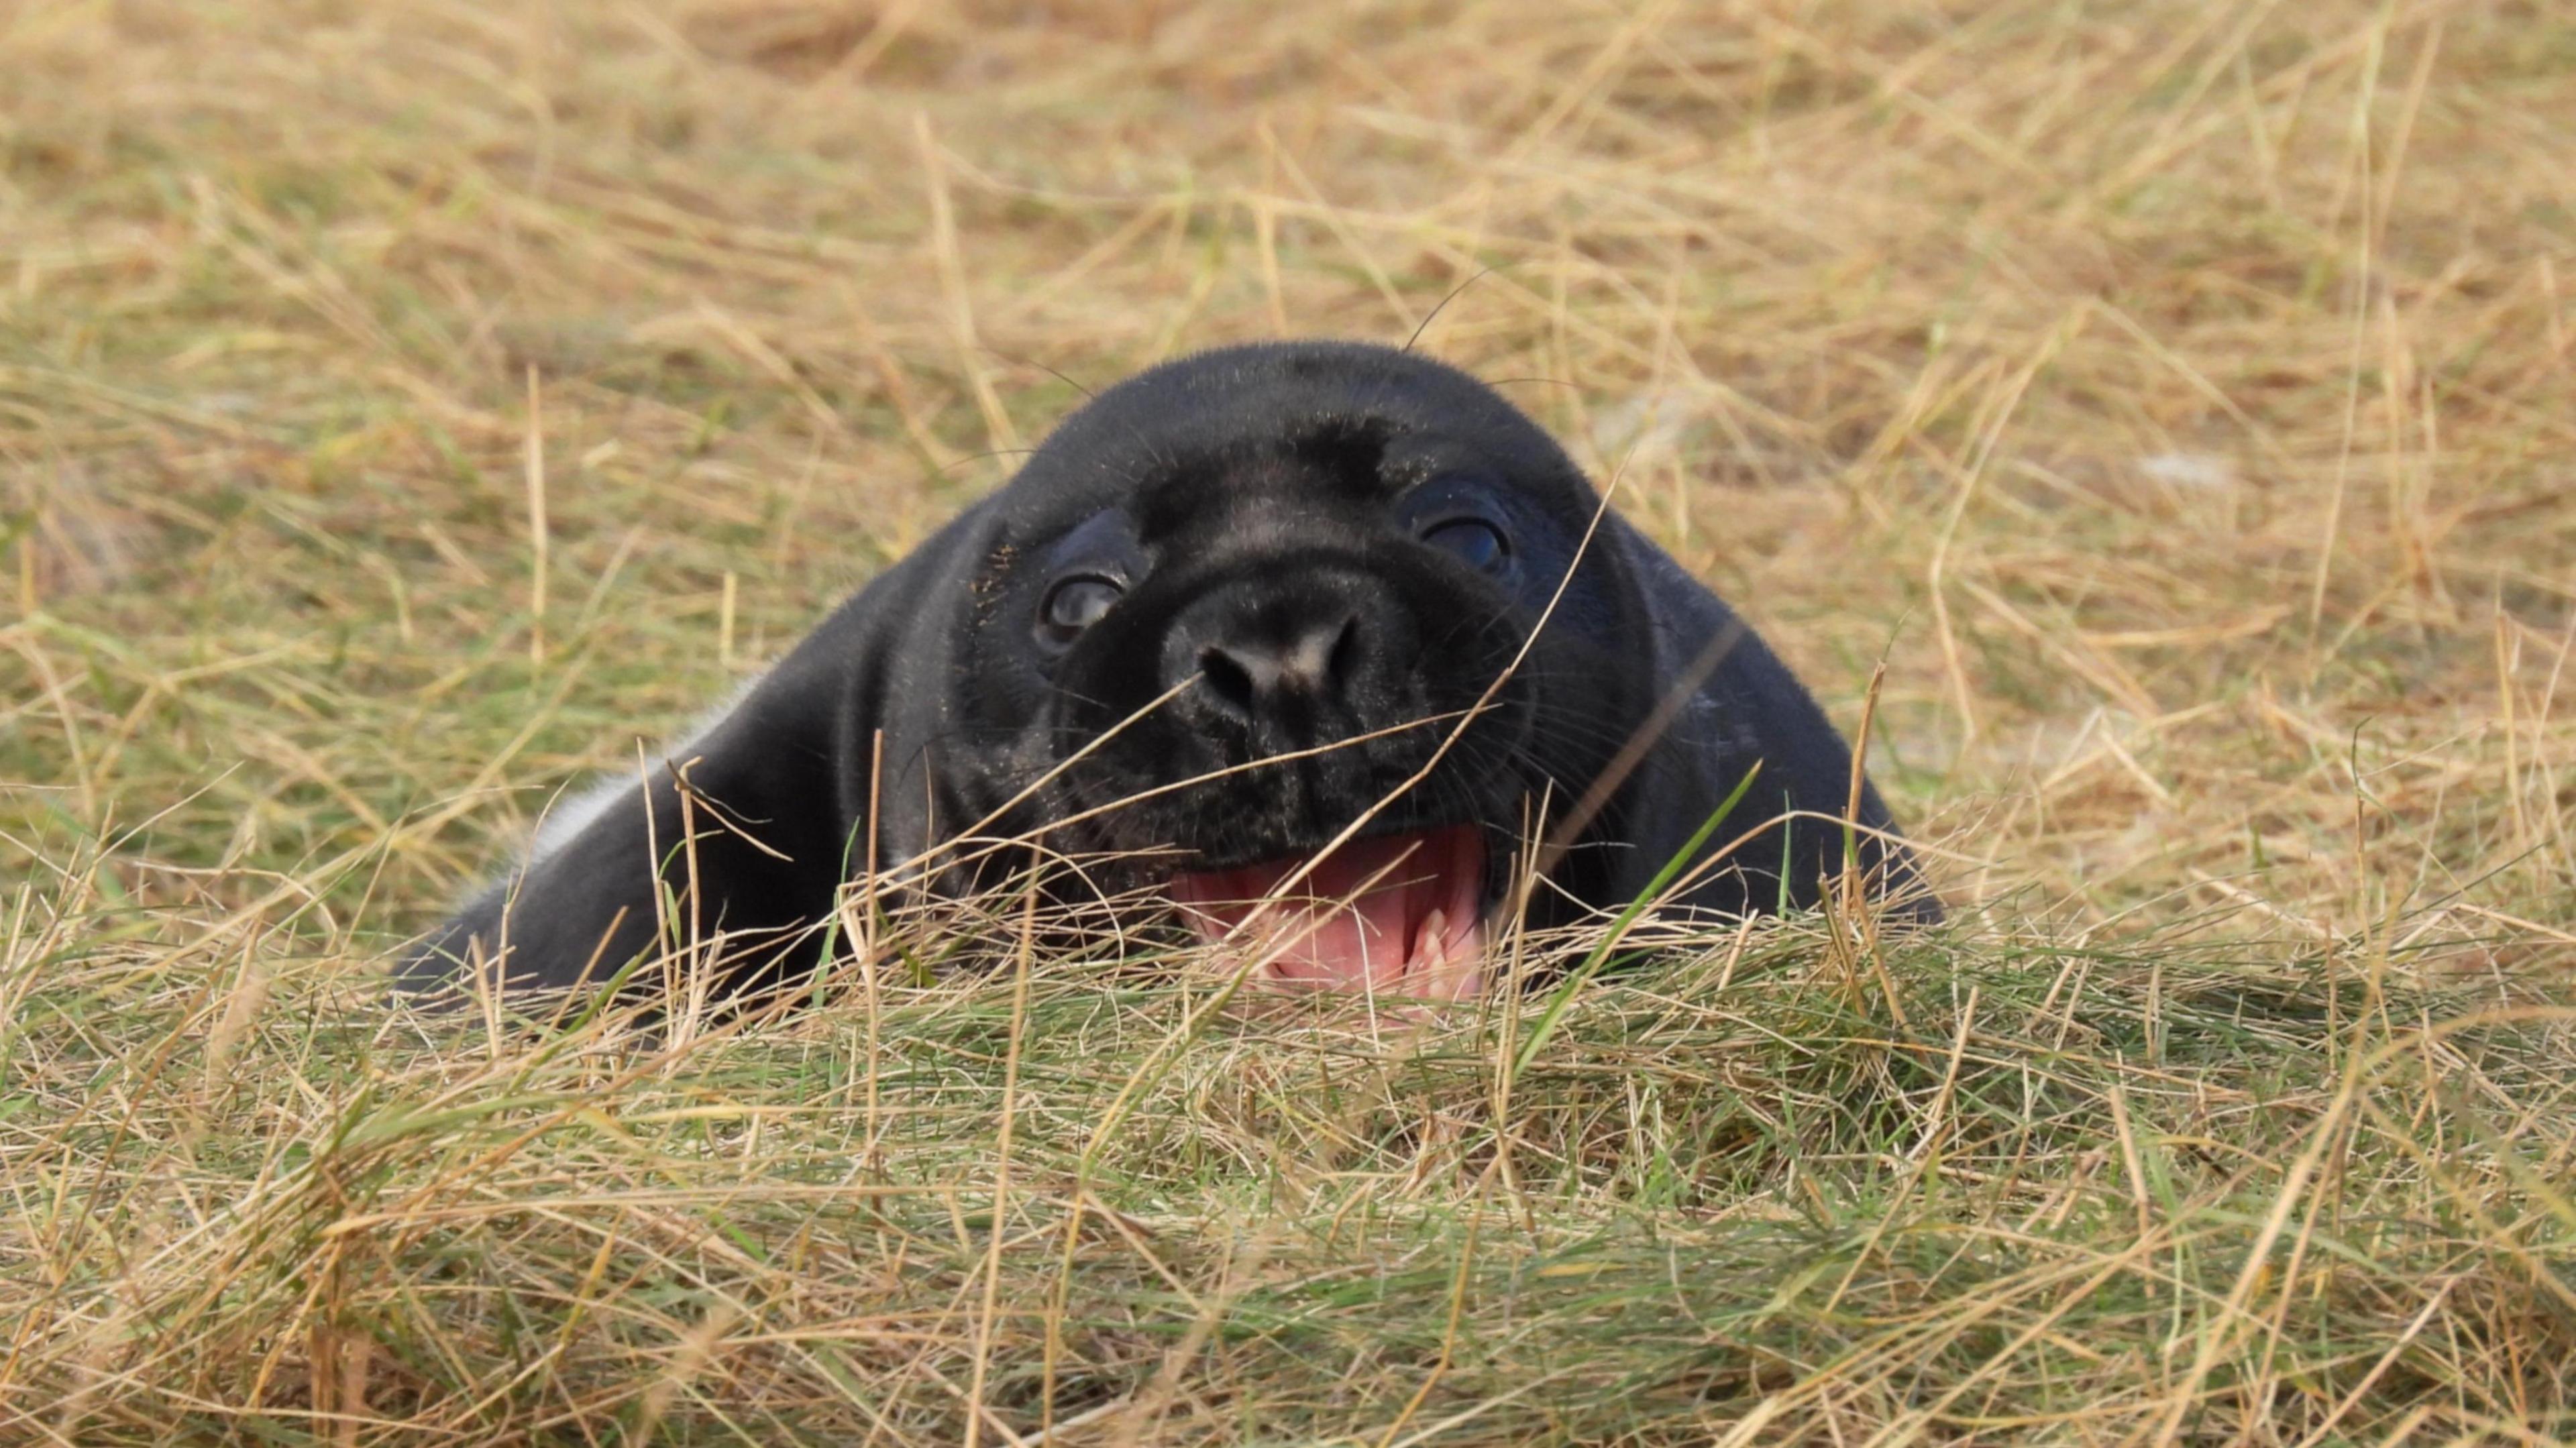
1322,622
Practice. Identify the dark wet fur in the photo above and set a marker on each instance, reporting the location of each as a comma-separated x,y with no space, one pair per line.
1254,501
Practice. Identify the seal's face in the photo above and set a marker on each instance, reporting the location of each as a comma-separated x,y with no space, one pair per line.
1322,620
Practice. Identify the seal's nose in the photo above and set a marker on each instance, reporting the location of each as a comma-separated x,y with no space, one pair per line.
1258,667
1290,658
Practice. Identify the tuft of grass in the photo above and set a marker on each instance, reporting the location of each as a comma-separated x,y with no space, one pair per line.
406,408
2248,1189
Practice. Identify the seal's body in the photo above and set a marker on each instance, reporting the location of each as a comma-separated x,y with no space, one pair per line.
1245,608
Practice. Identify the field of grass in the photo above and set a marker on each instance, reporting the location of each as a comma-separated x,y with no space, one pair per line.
406,407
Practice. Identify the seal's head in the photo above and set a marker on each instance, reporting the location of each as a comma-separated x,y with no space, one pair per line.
1242,613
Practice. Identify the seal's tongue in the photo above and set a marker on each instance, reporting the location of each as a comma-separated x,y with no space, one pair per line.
1394,916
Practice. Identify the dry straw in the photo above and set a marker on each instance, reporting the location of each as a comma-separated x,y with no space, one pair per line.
2175,394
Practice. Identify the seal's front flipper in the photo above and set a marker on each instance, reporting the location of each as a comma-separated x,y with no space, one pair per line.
732,846
735,844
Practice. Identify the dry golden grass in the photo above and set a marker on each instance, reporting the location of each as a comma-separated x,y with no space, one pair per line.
2179,394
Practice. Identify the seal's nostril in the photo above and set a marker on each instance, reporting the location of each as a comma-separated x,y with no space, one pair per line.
1343,656
1316,662
1227,675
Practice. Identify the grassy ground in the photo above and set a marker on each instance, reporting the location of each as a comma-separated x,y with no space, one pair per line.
2179,393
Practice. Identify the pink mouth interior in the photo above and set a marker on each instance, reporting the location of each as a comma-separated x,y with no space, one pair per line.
1396,915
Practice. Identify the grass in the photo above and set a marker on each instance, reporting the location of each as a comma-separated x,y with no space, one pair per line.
2177,395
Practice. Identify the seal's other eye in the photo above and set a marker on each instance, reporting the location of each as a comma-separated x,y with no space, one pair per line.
1075,604
1472,541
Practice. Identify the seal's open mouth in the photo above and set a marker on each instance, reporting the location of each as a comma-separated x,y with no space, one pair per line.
1398,915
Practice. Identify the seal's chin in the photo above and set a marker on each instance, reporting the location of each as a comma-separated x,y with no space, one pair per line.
1398,915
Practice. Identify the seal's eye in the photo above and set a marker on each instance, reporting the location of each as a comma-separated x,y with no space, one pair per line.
1471,541
1075,604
